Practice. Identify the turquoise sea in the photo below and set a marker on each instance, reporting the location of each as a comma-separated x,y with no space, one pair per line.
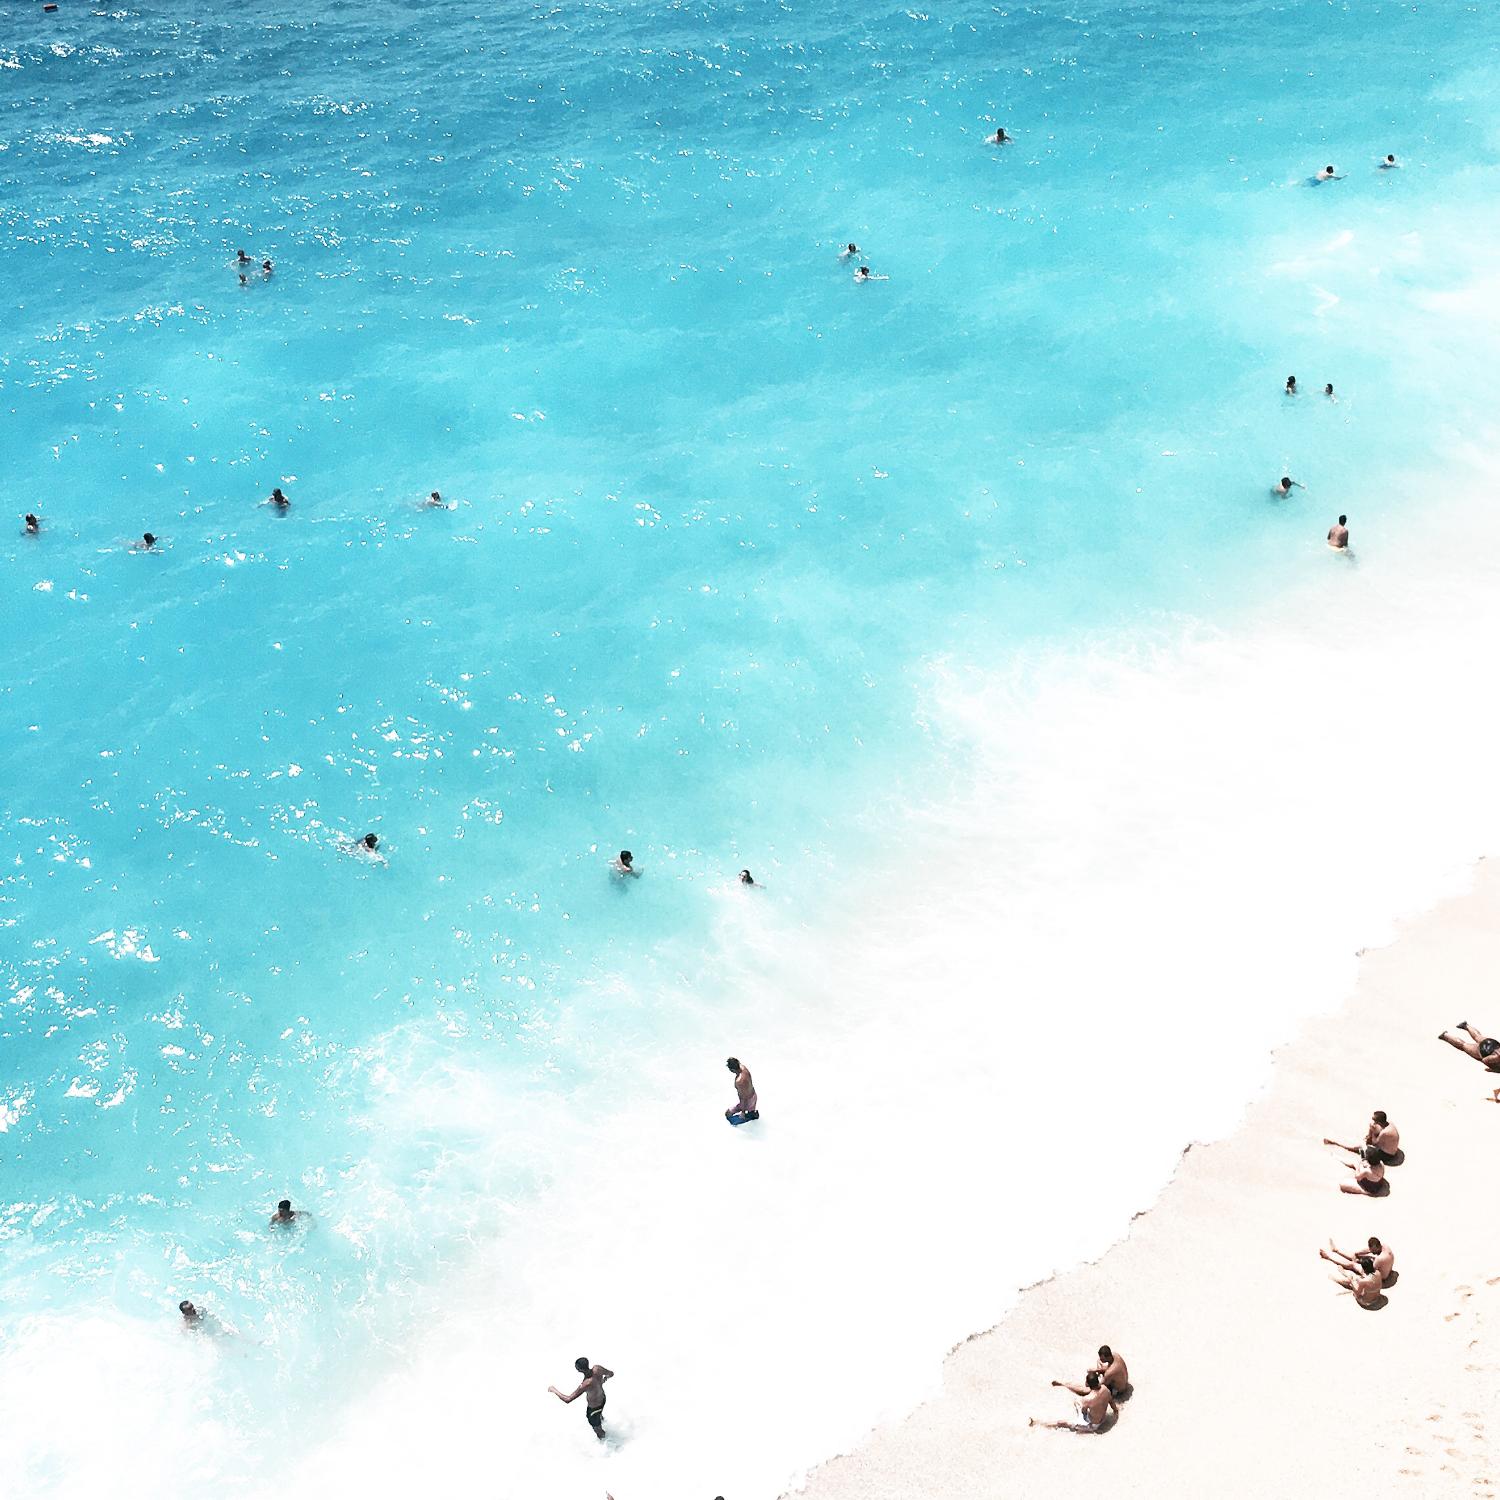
956,606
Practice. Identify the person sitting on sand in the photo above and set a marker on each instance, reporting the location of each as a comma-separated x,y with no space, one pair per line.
1338,535
1383,1256
1286,484
1095,1405
1112,1371
747,1102
591,1388
1485,1050
33,525
624,864
1384,1136
1368,1169
1363,1283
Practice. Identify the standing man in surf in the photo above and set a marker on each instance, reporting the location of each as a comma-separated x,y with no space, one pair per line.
591,1387
747,1103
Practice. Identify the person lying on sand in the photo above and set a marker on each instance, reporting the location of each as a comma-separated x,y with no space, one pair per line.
1112,1371
1368,1169
1364,1283
1383,1256
1485,1050
1094,1404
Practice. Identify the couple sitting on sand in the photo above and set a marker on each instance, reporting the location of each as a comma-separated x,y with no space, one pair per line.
1103,1388
1382,1149
1365,1275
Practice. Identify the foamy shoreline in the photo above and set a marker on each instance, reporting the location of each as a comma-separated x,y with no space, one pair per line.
1253,1374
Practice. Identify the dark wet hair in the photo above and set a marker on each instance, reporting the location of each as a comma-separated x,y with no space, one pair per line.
186,1309
1389,157
733,1064
1488,1047
284,1206
1329,167
148,539
370,840
746,878
581,1364
1343,520
1291,380
1371,1154
1328,389
1375,1244
1366,1265
436,496
1286,481
31,522
852,246
1091,1380
1106,1353
1379,1117
864,270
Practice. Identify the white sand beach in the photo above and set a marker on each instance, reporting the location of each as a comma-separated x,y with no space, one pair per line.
1253,1374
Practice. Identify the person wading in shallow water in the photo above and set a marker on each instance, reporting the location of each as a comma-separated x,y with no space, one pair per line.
747,1104
591,1387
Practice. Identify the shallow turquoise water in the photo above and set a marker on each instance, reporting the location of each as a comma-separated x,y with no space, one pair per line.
717,511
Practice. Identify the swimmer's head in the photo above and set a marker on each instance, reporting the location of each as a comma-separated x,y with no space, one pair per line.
1286,482
863,271
746,878
733,1064
1328,389
243,257
852,248
265,265
581,1365
187,1310
284,1209
1390,161
32,524
626,857
1291,382
1343,520
435,498
148,539
243,282
1091,1380
370,841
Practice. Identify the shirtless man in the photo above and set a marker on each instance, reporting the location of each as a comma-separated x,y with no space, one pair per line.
1338,534
624,864
278,501
33,525
286,1215
591,1388
1112,1371
849,252
147,543
1363,1283
747,1106
1485,1050
1383,1256
1328,174
1286,484
1094,1404
1368,1169
1384,1137
1000,138
1291,385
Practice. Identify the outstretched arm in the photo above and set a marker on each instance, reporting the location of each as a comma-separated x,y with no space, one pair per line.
1077,1390
565,1399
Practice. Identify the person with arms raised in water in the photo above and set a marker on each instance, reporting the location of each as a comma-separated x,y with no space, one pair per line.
747,1102
591,1388
1094,1405
1485,1050
1338,535
1382,1255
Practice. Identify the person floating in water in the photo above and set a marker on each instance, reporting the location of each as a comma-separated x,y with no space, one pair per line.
624,863
1291,385
1286,484
33,524
278,500
591,1388
147,543
369,844
746,878
1338,534
243,259
1328,391
191,1316
243,282
435,501
266,267
849,252
1327,174
747,1102
1389,163
285,1214
1000,138
865,274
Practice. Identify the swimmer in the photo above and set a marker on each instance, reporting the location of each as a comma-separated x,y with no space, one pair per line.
591,1388
1328,391
147,543
746,878
435,502
865,274
1286,485
243,282
286,1214
1000,138
624,863
278,500
190,1315
1291,385
369,844
33,524
1389,163
849,252
1327,174
747,1102
243,259
1338,534
267,267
